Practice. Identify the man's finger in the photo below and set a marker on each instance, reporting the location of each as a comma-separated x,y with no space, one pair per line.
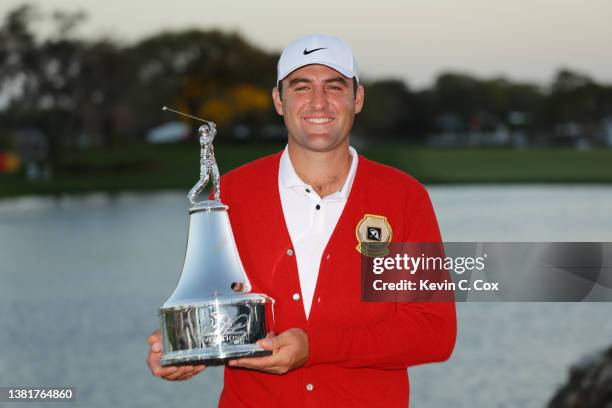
154,337
180,372
187,376
266,368
186,371
164,372
269,343
255,362
153,362
196,370
253,366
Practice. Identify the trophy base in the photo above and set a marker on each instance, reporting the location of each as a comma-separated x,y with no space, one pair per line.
216,330
213,355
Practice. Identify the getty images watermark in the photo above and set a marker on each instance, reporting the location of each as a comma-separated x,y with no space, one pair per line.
487,271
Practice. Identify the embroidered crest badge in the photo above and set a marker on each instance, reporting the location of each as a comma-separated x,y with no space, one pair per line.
374,234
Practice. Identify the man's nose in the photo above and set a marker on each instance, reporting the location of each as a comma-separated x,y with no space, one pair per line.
319,98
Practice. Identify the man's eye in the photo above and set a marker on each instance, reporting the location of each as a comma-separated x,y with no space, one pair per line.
335,88
301,88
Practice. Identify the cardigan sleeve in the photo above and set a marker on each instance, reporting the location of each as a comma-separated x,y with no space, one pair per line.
416,333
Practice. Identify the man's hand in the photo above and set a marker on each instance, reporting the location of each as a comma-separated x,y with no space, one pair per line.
170,373
289,351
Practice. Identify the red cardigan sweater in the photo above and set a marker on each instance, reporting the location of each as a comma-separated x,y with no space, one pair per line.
359,351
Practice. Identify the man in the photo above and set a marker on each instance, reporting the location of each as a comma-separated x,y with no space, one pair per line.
298,218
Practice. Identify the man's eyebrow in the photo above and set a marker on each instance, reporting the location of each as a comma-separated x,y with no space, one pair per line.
336,79
299,80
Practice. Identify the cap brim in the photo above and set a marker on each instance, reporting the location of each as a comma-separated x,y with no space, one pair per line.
345,72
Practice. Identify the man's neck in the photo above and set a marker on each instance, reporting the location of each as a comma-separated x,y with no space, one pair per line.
326,172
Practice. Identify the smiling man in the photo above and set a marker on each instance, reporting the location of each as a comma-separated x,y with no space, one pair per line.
298,218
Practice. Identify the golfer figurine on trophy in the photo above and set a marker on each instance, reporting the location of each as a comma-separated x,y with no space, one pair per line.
208,163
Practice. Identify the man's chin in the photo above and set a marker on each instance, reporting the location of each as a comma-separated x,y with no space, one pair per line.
318,142
321,146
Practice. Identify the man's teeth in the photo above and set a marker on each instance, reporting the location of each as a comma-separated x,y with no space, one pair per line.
318,120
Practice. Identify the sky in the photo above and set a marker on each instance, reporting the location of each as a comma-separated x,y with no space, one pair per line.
412,40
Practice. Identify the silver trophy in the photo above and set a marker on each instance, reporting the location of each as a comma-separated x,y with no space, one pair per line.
212,317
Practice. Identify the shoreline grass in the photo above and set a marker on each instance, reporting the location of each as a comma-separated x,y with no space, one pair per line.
168,167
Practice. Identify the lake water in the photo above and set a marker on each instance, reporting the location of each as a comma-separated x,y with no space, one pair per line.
81,280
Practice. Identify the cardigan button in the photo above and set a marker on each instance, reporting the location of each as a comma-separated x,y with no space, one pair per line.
296,296
309,387
290,252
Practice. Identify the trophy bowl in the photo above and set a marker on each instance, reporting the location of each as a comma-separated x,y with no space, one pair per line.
215,331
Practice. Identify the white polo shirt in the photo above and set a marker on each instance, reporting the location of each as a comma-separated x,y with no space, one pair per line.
310,220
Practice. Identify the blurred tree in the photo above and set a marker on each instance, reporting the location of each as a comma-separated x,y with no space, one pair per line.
466,95
241,103
575,97
57,84
457,93
204,73
19,57
90,92
494,100
388,107
32,74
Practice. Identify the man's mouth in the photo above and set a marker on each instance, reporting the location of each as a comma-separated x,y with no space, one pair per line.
318,120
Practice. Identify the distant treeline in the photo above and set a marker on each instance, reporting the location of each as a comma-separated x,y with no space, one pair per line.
108,93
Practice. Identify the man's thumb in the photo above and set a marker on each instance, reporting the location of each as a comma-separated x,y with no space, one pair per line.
269,343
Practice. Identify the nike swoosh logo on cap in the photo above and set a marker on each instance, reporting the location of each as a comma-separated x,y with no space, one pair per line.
306,51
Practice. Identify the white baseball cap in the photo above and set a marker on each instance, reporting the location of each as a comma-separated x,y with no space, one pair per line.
317,49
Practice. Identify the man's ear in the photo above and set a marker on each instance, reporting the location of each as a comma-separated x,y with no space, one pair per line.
359,98
278,103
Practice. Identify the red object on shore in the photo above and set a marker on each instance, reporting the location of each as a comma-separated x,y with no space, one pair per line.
9,162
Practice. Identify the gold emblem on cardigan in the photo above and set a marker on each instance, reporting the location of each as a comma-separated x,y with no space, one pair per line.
374,234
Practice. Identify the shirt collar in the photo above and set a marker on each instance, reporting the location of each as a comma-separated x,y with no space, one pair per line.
289,177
